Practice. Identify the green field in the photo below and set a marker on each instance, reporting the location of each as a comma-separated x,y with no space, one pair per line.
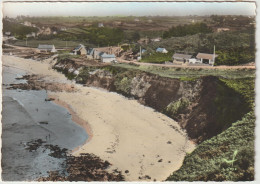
186,73
59,44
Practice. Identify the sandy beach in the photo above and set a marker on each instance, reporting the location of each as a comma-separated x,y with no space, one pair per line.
142,143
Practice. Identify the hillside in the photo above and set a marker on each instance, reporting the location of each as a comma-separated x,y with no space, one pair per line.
209,108
229,156
233,47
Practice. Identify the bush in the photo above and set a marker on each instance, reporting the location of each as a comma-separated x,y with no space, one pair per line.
123,85
176,107
183,30
207,161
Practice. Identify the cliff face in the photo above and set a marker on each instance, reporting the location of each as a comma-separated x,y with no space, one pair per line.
204,107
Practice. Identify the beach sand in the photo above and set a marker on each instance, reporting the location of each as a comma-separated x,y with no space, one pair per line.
135,139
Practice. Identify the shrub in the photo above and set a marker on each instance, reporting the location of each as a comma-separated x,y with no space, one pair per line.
177,107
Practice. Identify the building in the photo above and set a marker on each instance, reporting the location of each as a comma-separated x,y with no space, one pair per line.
108,58
90,53
161,50
63,29
206,58
194,61
32,34
117,23
100,24
97,54
44,31
156,39
222,29
109,50
46,48
8,33
27,23
181,57
80,50
144,40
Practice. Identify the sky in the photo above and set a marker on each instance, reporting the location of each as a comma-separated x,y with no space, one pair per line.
12,9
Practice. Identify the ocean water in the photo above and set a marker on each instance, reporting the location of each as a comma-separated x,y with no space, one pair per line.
23,112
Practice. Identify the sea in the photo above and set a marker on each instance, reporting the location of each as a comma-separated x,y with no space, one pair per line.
27,117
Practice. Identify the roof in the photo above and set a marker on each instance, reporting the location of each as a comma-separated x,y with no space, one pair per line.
160,49
108,55
45,46
90,51
205,56
181,56
79,47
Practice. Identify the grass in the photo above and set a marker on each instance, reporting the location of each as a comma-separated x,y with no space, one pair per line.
229,156
188,73
244,86
213,160
176,107
157,58
59,44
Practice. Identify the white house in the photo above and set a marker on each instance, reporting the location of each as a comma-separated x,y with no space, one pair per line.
97,54
194,60
108,58
32,34
183,58
206,58
90,53
161,50
27,23
63,29
46,48
100,24
156,39
8,33
222,29
80,50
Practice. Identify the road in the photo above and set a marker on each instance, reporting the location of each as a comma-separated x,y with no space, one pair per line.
223,67
121,60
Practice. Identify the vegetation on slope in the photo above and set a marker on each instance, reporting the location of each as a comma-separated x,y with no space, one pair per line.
17,29
244,86
235,56
102,36
183,30
233,47
189,73
228,156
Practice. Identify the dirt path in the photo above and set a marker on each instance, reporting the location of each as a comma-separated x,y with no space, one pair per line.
223,67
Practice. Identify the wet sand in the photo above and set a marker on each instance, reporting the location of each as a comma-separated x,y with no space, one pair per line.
142,143
76,119
27,117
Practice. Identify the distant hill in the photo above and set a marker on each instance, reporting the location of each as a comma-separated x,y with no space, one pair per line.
17,29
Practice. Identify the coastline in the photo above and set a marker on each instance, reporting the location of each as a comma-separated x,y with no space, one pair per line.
134,138
75,118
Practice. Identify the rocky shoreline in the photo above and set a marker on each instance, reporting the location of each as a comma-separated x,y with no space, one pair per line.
118,135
